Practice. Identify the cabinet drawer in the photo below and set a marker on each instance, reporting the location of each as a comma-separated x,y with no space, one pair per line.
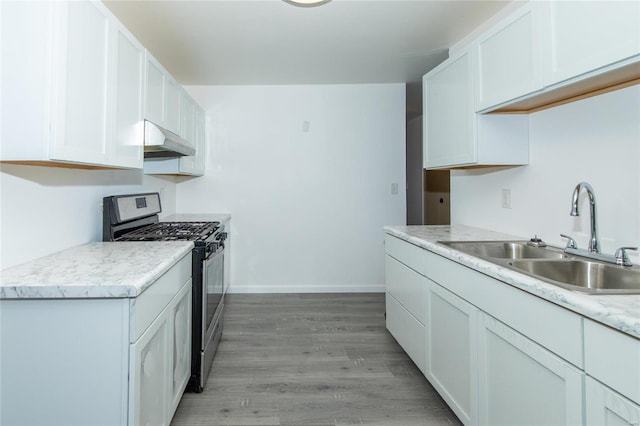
613,358
146,307
407,330
405,252
407,286
551,326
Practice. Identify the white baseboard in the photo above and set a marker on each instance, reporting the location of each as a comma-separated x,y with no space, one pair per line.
246,288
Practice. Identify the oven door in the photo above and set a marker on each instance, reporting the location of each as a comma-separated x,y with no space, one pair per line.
212,286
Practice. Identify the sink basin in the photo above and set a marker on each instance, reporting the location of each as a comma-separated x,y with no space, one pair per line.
583,275
505,249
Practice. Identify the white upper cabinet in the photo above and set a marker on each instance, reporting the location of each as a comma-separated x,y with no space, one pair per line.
448,112
580,37
85,106
173,93
187,117
454,135
154,106
129,99
163,103
82,128
508,57
201,141
193,129
547,52
194,164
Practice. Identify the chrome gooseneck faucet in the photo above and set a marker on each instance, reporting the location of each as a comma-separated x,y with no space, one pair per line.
594,246
619,258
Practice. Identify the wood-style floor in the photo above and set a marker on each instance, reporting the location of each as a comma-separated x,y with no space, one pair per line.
311,359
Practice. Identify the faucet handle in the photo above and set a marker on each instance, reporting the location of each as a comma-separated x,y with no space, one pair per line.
571,244
621,256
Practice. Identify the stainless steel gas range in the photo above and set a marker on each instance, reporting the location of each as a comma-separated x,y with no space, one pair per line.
134,217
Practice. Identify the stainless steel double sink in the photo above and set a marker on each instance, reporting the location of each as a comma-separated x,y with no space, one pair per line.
552,265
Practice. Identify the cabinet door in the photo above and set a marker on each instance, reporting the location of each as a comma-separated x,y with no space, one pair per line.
509,58
26,31
173,105
187,131
451,348
180,312
81,59
154,109
128,133
520,382
582,36
448,111
187,118
608,408
149,374
200,141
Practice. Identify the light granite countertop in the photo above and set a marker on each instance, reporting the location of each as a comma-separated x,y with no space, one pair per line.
94,270
203,217
621,312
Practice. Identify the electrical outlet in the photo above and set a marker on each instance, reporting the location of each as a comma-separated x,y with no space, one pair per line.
506,198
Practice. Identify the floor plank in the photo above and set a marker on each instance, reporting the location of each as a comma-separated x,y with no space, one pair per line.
311,359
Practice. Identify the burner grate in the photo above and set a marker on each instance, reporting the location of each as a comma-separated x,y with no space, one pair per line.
171,231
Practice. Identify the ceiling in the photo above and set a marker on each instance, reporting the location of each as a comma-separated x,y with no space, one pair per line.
260,42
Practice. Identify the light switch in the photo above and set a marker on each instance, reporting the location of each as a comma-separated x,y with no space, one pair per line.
305,126
394,188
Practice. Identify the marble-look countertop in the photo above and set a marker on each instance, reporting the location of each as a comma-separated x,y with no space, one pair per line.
621,312
94,270
204,217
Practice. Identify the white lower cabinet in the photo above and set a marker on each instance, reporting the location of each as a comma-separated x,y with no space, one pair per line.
608,408
451,347
520,382
148,385
405,307
161,363
97,361
406,330
500,356
180,346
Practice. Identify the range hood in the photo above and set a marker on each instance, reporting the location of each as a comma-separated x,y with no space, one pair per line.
161,143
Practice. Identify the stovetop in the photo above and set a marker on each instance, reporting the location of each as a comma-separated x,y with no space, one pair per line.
172,231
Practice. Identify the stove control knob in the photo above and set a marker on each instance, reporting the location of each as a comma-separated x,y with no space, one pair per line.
223,236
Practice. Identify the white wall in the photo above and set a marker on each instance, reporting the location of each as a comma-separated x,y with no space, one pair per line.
46,209
307,207
595,140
